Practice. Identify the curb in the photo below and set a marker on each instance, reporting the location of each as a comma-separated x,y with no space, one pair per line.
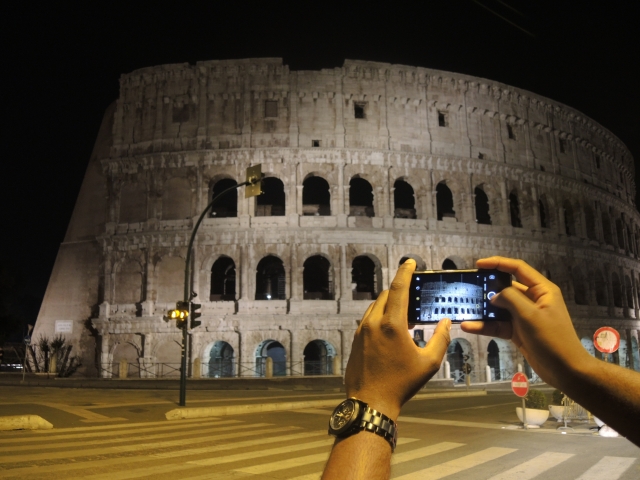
204,412
24,422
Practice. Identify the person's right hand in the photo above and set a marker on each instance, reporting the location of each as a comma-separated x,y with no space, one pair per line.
540,327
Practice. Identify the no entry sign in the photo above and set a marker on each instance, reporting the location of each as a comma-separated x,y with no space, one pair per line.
606,339
520,384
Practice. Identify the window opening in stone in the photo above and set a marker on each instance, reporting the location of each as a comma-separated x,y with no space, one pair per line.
316,197
590,222
569,221
271,108
403,200
606,229
579,287
510,132
317,279
482,156
617,290
514,210
364,284
358,109
544,223
360,198
278,355
619,233
443,119
542,168
226,205
271,202
221,362
270,279
223,280
482,207
449,264
318,358
315,143
444,202
563,145
493,360
597,161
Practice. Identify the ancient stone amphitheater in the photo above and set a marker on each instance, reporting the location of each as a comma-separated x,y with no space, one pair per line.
365,165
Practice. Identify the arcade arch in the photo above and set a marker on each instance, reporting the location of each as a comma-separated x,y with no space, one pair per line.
366,277
272,201
274,350
318,358
360,198
270,279
226,205
316,196
404,202
219,358
482,206
317,279
223,280
444,202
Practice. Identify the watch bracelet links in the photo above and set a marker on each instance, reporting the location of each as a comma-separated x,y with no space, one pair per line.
378,423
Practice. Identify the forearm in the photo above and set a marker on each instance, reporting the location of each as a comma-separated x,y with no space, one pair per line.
608,391
361,456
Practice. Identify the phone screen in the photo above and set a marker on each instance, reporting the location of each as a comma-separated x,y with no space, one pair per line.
456,294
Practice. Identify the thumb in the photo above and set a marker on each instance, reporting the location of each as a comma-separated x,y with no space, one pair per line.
436,349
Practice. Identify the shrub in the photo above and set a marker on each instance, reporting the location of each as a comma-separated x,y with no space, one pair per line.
556,397
536,399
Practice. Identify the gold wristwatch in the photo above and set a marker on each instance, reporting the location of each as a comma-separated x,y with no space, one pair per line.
353,416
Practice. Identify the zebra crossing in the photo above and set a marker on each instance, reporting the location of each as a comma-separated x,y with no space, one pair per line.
230,448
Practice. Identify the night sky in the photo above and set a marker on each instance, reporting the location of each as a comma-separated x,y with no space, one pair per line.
62,65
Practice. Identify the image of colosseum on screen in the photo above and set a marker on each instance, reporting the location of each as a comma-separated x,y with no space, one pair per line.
366,164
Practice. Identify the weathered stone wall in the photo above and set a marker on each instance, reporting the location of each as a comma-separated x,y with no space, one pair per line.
179,129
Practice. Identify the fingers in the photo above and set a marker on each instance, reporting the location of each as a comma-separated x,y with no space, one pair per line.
398,301
439,342
498,329
525,273
516,301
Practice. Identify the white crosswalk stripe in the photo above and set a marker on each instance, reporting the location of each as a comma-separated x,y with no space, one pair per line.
610,468
217,449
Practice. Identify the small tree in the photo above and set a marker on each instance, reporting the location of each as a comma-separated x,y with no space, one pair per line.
536,399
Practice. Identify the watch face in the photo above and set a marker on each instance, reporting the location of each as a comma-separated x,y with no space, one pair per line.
342,416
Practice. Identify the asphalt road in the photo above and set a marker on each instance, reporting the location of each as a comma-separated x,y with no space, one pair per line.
119,434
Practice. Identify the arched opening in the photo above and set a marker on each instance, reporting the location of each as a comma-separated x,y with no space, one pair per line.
403,200
420,264
317,279
270,279
223,280
365,278
606,229
482,207
590,223
226,205
617,290
277,353
460,358
271,202
514,210
444,202
316,196
602,296
569,219
318,358
449,264
221,362
580,291
542,209
360,198
129,353
619,233
629,291
493,359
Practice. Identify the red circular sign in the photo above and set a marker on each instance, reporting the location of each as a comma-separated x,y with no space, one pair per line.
520,384
606,339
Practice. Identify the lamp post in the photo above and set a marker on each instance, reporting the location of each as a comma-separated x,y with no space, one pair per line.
185,308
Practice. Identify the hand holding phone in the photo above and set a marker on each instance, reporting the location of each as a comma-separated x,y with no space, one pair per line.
459,295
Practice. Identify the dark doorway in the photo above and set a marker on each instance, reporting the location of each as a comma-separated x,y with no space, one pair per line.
226,205
316,197
271,202
444,201
223,280
482,207
360,198
270,279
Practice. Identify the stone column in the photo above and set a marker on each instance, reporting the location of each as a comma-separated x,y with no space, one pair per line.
243,290
296,274
536,210
345,279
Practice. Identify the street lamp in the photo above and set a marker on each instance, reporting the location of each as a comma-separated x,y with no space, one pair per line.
185,308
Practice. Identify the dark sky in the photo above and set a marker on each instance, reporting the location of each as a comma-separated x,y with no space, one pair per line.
62,64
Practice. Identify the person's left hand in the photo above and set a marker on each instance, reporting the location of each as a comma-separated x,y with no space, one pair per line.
386,368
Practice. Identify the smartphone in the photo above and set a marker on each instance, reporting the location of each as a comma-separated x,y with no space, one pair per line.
456,294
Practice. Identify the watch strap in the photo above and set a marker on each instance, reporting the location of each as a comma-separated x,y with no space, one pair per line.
378,423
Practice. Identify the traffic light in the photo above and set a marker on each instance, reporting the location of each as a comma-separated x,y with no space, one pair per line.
180,314
195,314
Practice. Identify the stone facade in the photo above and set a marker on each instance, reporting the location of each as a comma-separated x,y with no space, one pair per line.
365,165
